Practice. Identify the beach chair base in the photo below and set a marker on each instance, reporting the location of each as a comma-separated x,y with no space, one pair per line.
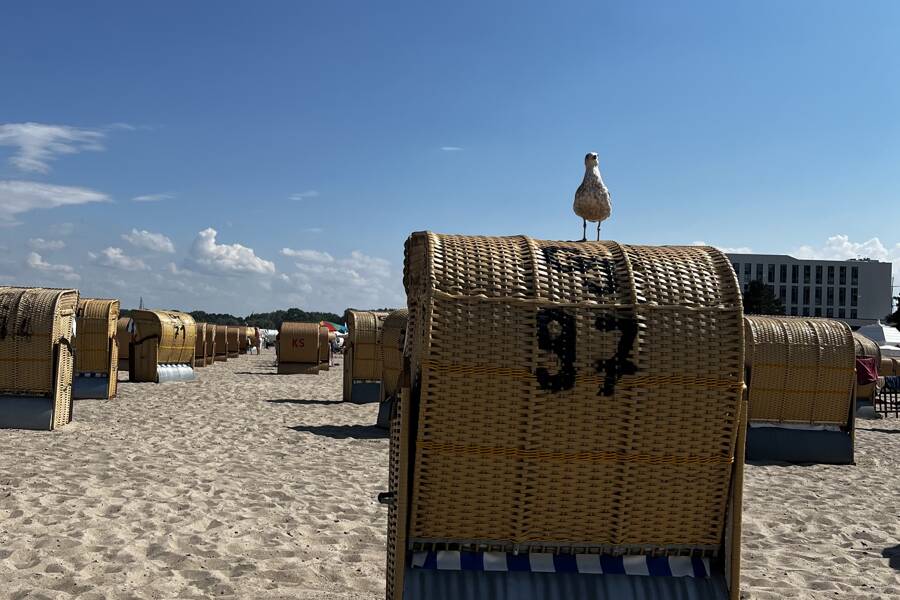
365,392
221,357
174,373
865,409
779,444
85,386
298,368
26,412
483,585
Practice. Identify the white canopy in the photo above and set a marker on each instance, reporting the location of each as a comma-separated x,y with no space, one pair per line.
884,335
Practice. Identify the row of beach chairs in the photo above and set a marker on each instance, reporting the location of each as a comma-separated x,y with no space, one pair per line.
56,347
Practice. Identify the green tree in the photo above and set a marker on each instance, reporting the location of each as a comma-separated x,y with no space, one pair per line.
760,299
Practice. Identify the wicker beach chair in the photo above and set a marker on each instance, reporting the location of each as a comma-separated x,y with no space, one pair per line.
124,337
200,346
234,341
210,343
393,336
163,348
362,358
801,378
298,349
243,340
36,359
571,424
96,349
222,349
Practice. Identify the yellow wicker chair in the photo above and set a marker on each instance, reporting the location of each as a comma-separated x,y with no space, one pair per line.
223,351
163,347
234,341
200,346
96,349
36,359
801,378
298,349
362,356
124,337
210,343
571,424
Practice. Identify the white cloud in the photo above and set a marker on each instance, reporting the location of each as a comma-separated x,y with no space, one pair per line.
37,144
34,261
313,256
304,195
115,258
839,247
451,148
313,230
726,249
209,256
63,229
156,242
17,197
153,197
42,244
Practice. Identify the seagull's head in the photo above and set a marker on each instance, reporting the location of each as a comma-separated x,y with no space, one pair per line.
591,160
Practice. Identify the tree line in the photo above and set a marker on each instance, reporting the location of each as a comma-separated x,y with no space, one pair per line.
266,320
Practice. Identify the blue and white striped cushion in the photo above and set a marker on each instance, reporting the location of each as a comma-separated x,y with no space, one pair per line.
86,374
655,566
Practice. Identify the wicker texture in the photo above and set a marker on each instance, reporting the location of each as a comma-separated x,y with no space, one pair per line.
324,349
802,370
234,341
889,366
124,339
391,348
866,347
298,343
572,394
243,340
222,349
36,356
200,345
210,342
96,342
161,338
364,335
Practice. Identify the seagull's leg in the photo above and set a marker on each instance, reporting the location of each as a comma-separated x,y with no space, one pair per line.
598,231
583,230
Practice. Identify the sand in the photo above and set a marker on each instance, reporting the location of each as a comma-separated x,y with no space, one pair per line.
245,484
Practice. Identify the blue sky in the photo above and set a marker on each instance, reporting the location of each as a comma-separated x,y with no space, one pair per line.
281,152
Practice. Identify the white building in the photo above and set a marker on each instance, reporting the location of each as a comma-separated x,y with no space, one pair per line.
856,291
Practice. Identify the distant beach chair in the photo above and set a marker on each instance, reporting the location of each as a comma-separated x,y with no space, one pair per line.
867,353
200,346
362,364
222,338
298,349
801,379
124,337
36,358
393,336
96,349
571,425
324,349
210,343
234,341
163,348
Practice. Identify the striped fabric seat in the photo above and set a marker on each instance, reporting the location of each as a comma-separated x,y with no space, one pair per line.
89,374
654,566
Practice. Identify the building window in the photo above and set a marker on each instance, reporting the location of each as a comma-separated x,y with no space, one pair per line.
737,268
830,275
747,270
782,274
795,274
830,296
818,296
806,295
806,275
805,311
854,275
793,311
795,295
818,274
842,296
843,276
771,273
852,313
829,312
759,271
782,294
842,313
853,296
818,312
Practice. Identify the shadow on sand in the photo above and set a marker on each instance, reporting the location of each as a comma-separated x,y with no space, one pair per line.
303,402
343,432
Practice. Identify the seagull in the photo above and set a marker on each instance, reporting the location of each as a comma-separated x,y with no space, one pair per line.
592,198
